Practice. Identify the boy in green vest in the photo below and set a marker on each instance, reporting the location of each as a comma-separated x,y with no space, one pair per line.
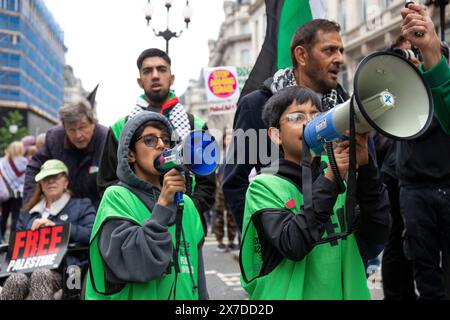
142,246
294,251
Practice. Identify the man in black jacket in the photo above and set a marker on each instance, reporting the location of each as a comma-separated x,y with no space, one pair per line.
156,79
424,173
77,143
317,55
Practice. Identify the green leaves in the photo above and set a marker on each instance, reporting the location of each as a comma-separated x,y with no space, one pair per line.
12,130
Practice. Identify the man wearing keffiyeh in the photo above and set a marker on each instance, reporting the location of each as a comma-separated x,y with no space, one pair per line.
156,79
317,56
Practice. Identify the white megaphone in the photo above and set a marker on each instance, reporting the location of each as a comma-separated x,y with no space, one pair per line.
390,96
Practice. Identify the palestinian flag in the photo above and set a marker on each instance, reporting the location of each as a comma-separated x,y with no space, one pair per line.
283,18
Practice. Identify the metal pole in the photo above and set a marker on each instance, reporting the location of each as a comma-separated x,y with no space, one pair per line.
442,9
167,40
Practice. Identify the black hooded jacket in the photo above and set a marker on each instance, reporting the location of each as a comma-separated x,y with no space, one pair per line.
249,117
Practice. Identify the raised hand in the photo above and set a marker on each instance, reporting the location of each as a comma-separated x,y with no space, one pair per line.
416,19
173,183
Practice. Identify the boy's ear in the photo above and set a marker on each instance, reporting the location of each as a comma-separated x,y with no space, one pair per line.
274,135
131,156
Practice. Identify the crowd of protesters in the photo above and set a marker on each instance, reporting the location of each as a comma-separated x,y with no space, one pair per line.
290,220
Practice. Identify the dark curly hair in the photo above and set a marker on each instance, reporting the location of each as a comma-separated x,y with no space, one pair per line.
278,103
153,52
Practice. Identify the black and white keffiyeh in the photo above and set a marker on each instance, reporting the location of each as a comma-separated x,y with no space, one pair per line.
283,78
329,100
177,116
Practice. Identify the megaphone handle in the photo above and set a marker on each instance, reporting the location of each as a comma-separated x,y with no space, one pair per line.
334,167
178,199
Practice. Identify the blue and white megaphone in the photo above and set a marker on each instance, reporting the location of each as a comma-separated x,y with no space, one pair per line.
198,153
390,96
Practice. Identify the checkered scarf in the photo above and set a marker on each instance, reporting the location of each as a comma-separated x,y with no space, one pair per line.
285,78
329,100
171,109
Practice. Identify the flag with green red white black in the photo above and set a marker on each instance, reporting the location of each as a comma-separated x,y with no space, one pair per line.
283,18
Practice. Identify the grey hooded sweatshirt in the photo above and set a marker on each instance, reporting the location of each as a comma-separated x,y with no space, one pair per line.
122,243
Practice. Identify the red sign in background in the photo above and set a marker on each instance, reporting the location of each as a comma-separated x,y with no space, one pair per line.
31,250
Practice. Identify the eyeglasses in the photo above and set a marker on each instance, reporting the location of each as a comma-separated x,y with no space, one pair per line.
151,141
53,177
298,118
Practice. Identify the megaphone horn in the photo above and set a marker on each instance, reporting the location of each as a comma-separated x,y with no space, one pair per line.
198,153
390,96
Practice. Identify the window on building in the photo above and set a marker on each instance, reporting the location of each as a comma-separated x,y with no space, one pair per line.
264,24
343,78
343,14
12,5
245,27
257,33
385,4
363,10
245,58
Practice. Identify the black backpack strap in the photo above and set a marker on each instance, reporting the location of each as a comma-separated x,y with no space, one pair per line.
191,120
307,184
350,201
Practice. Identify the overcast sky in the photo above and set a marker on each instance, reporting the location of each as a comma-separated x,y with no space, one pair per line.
105,37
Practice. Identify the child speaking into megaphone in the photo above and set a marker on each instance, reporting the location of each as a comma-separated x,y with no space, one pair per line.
295,220
142,246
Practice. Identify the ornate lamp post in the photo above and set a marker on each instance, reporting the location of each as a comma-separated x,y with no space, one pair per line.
441,4
168,34
13,128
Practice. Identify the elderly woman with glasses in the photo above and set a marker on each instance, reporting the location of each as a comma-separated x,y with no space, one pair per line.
51,204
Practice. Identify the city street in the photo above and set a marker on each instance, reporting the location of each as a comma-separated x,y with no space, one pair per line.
323,125
222,274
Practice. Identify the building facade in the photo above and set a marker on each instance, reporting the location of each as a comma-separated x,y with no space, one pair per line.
73,88
368,26
238,44
31,62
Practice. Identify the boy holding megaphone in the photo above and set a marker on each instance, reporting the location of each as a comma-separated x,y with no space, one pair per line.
143,246
295,241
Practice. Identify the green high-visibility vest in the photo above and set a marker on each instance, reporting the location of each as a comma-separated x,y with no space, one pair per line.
331,271
119,202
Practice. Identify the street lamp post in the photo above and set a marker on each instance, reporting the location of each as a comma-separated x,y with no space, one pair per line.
442,4
13,128
168,34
